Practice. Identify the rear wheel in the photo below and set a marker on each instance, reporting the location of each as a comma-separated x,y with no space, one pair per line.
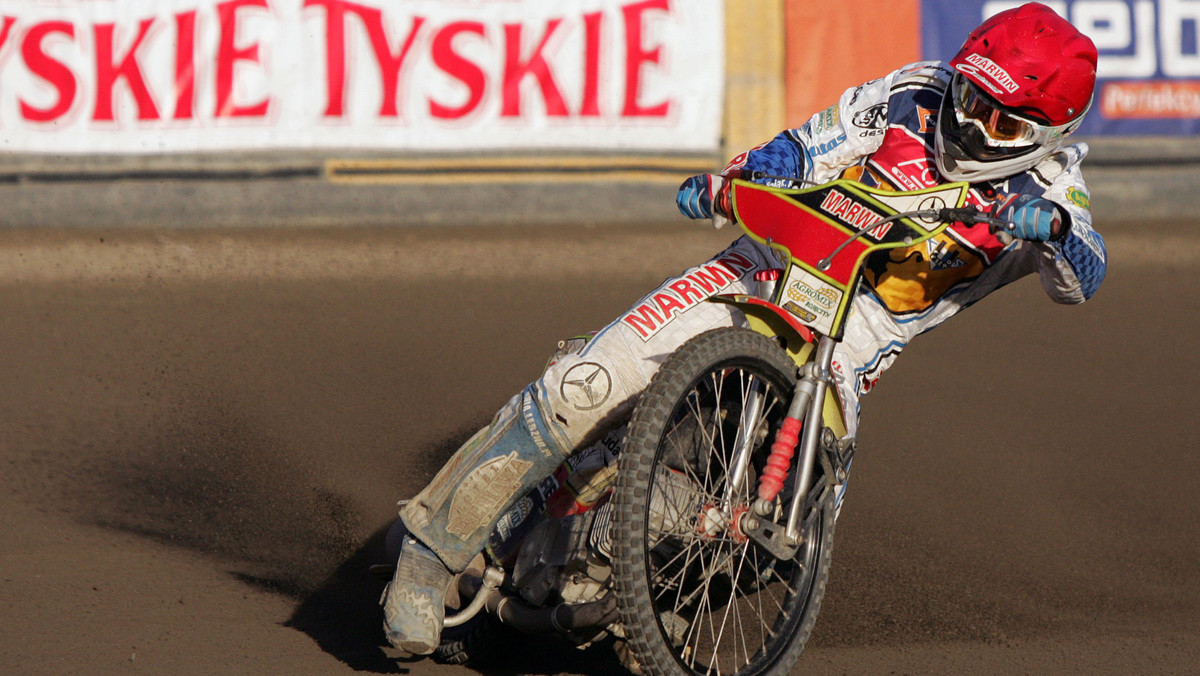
480,641
696,595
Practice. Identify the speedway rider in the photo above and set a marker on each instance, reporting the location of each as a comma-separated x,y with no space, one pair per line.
995,115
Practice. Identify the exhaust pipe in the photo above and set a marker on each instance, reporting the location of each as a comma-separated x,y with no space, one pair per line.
565,618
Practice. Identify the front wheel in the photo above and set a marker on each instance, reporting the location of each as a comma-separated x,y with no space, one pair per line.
696,595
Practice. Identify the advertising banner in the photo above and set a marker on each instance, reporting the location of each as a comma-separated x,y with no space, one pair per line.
1149,69
157,76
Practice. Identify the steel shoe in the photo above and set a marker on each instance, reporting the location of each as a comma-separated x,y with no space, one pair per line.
414,602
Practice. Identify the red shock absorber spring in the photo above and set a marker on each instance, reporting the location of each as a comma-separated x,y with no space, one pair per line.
780,460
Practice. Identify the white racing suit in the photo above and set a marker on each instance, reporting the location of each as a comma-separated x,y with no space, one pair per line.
880,133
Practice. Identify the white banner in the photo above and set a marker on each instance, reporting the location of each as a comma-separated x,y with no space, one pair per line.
152,76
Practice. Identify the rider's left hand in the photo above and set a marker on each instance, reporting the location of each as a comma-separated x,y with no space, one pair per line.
1033,218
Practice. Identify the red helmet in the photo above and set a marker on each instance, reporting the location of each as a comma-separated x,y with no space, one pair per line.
1023,80
1032,61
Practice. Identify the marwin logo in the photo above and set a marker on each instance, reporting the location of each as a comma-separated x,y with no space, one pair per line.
991,69
854,214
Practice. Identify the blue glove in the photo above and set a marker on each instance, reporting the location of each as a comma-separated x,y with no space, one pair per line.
695,197
1032,218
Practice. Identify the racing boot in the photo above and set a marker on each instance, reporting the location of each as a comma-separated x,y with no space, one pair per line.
450,520
414,603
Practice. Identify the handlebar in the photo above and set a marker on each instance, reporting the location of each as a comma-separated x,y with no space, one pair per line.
970,216
967,215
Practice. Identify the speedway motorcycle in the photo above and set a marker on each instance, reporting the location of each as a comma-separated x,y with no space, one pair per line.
699,535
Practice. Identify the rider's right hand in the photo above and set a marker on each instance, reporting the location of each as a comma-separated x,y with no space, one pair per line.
705,196
695,197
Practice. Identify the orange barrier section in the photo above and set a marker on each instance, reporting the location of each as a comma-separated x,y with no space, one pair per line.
833,46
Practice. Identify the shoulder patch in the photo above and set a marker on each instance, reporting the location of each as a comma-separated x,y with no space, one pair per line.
1079,198
931,74
826,120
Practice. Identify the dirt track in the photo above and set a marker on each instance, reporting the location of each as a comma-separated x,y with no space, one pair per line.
202,436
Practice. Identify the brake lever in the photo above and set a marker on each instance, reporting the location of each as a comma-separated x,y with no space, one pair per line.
972,216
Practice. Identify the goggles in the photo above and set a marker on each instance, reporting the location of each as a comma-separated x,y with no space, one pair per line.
999,128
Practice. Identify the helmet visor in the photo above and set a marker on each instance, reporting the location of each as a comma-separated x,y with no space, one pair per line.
998,127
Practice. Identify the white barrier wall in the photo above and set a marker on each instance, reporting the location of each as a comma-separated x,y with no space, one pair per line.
155,76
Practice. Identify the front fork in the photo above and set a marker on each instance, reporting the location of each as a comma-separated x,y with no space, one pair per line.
810,394
805,414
